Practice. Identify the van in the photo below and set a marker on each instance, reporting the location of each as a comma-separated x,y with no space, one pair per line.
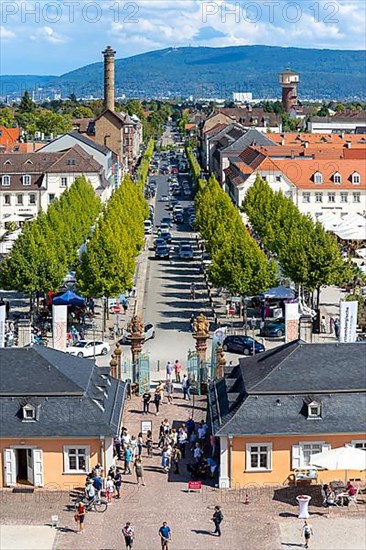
148,227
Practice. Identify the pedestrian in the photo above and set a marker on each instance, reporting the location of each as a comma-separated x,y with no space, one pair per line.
186,387
149,443
217,519
89,490
165,535
129,534
227,309
117,444
197,453
177,369
323,325
337,327
182,440
140,442
133,444
191,322
128,459
139,471
109,489
331,325
118,483
157,399
165,459
91,306
146,398
80,516
190,425
169,371
176,457
308,532
169,391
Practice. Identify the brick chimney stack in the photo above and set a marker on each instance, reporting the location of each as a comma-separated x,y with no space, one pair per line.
109,54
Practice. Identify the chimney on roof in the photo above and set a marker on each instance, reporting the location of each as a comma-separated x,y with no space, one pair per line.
306,144
349,144
109,54
343,135
283,142
292,154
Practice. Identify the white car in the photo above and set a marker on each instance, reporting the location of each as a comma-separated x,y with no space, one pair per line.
85,348
149,332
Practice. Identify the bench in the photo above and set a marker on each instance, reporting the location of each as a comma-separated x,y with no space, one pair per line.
305,475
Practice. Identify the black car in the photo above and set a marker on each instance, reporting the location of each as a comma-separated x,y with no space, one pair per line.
242,345
178,218
159,242
162,252
167,237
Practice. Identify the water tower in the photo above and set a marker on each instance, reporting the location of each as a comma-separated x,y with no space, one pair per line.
289,81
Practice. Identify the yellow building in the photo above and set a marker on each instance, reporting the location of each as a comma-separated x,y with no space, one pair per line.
59,416
272,412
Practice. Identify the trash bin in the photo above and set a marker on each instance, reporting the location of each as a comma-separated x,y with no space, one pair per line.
303,501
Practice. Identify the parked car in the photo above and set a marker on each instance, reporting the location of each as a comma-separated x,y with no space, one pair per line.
275,328
85,348
164,198
148,227
149,332
185,252
162,251
242,345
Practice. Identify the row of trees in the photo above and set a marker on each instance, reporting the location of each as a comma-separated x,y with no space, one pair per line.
143,169
48,246
238,263
308,255
194,165
108,265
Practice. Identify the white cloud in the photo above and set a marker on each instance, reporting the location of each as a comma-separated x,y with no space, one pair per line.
48,35
5,34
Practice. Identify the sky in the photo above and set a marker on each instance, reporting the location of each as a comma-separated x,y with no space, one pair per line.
47,37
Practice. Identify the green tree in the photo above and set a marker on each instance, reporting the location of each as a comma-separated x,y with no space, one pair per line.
26,105
7,117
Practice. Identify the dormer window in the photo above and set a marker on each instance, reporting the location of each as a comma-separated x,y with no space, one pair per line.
29,412
356,178
5,180
28,161
71,162
337,178
27,180
314,410
7,162
318,178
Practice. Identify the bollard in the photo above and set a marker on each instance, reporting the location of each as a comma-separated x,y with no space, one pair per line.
158,366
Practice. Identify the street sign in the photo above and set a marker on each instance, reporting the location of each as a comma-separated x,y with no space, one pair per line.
117,308
231,310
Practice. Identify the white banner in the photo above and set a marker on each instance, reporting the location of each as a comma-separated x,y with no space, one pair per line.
348,321
2,325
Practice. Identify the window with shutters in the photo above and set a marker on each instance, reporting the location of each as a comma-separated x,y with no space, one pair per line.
258,456
302,453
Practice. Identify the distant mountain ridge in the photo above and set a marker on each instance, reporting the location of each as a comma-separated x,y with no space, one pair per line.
217,72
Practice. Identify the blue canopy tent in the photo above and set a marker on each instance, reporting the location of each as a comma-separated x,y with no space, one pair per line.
69,299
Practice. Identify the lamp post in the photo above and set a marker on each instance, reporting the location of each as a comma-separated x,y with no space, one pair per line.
94,327
136,329
253,324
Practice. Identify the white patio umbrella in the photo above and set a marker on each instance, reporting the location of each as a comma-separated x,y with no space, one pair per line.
342,458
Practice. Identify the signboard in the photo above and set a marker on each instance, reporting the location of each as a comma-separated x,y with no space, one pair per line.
146,426
194,486
348,322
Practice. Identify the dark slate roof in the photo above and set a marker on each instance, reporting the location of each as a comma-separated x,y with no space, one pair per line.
90,142
251,137
267,394
72,396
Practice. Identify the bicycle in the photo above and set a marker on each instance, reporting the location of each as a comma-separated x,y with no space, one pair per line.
97,504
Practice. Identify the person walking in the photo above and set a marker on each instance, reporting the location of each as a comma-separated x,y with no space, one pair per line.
186,384
118,483
217,519
129,534
109,489
324,325
177,369
165,459
157,399
139,471
165,535
307,532
140,443
331,325
80,516
149,443
128,459
337,327
176,457
182,440
169,371
146,398
169,391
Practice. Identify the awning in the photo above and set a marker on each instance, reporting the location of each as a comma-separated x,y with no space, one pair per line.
69,298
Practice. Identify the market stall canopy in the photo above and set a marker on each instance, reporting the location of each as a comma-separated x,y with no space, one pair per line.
279,293
361,252
342,458
352,233
330,221
69,299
